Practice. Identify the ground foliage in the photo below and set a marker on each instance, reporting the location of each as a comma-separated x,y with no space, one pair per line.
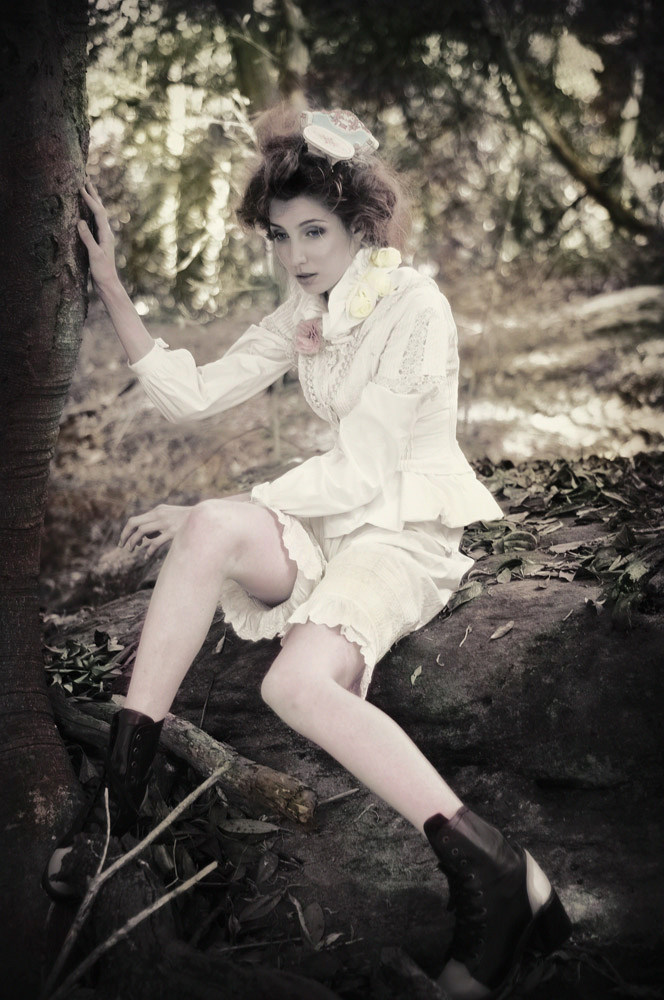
622,495
84,670
249,906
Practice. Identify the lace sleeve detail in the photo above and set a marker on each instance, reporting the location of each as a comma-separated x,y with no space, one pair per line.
418,352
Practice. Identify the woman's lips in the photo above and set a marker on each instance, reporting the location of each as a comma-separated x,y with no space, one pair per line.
305,277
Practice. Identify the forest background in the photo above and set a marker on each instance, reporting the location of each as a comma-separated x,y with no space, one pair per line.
530,137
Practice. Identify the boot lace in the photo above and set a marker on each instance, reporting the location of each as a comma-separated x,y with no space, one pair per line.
466,899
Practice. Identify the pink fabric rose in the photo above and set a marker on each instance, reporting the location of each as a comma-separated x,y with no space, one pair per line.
308,336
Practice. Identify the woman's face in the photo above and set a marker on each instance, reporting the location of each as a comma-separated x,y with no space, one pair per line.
311,242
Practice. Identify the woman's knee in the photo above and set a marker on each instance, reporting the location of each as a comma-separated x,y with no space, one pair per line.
285,689
214,528
313,657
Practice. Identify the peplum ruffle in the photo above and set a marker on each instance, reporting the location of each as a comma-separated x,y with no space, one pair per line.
253,619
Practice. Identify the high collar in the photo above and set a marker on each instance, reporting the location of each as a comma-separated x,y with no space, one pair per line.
337,323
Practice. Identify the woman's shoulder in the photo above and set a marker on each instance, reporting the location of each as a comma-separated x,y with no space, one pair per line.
415,294
411,284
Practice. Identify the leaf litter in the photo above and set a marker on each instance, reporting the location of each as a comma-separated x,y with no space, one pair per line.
623,496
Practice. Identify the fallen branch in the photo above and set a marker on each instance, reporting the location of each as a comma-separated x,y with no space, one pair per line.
256,785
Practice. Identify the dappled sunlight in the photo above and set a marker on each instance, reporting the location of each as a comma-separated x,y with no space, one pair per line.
606,427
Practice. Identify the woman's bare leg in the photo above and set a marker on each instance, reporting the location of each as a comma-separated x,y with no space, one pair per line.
308,687
220,540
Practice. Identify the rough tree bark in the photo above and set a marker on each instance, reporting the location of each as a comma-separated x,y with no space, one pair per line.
43,142
43,147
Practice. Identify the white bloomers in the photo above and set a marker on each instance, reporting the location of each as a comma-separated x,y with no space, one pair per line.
374,584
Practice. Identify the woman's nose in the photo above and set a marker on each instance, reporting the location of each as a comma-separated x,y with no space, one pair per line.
298,252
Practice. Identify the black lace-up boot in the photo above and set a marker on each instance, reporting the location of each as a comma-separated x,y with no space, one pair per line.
132,748
504,906
133,743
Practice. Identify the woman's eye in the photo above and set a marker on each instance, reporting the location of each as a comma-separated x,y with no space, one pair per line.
315,232
278,237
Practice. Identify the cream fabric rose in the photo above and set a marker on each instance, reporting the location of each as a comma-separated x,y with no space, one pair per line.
379,280
385,257
361,303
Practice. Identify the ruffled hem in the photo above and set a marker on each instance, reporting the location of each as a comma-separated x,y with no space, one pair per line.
253,619
298,543
335,614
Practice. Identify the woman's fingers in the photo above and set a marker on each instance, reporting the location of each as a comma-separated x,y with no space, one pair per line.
86,235
153,528
94,202
137,527
99,241
155,543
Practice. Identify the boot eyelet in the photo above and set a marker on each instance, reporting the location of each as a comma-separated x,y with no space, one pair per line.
445,839
455,851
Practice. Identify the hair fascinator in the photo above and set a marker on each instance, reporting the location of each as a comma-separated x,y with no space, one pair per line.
337,135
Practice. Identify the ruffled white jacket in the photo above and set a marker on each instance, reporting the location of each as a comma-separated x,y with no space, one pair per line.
386,383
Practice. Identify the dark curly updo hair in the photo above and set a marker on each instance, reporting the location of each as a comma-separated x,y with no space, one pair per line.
363,192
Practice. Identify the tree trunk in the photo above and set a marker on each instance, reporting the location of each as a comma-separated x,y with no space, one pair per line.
43,144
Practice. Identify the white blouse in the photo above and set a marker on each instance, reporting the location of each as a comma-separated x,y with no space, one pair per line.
388,386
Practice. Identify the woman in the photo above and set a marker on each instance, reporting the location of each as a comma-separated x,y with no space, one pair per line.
349,551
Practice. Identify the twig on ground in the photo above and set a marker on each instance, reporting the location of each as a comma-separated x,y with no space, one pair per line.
126,929
102,877
337,798
108,833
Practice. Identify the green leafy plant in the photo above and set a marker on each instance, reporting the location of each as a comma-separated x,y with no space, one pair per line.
85,671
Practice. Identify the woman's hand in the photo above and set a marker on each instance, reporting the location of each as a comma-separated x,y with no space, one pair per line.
101,251
152,529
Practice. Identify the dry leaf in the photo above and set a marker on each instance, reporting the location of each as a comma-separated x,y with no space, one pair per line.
267,866
260,907
503,630
415,674
315,921
246,826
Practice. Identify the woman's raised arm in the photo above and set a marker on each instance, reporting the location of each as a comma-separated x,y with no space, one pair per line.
129,327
